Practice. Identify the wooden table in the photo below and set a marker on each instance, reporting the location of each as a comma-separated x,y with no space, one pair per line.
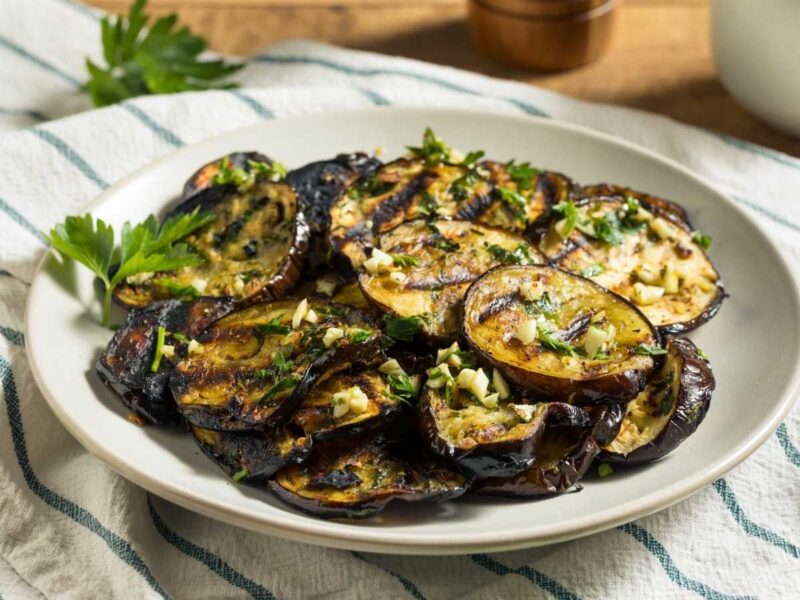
660,59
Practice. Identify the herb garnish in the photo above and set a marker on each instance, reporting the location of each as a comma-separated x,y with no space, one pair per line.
472,157
359,336
702,240
404,260
239,475
521,255
144,248
277,373
592,270
428,205
551,342
230,175
402,328
433,150
274,327
606,229
160,60
604,469
545,306
570,215
160,335
460,188
176,290
402,388
371,186
650,350
522,174
441,242
515,202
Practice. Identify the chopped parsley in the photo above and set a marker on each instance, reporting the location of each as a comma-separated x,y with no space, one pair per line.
569,212
650,350
274,327
160,335
515,202
441,242
358,336
402,328
176,290
702,240
278,373
274,171
522,174
592,270
551,342
472,157
604,470
230,175
521,255
428,205
702,354
433,150
404,260
239,475
285,384
402,388
460,188
545,306
371,186
180,337
606,229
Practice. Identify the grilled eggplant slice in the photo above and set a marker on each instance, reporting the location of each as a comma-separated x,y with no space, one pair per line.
652,203
668,411
252,455
357,477
562,455
255,367
496,441
316,415
646,255
202,178
125,365
532,193
403,190
558,334
435,264
254,249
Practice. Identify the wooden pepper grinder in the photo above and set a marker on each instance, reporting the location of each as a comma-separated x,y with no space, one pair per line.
542,35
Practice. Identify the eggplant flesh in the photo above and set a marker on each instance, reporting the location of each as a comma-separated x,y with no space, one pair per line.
442,258
203,178
667,412
489,442
252,455
553,360
403,190
357,477
652,250
546,189
125,364
315,415
255,368
254,249
672,209
561,458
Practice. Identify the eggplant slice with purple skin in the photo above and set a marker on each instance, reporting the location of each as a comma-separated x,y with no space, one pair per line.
640,252
523,194
252,455
667,412
256,364
652,203
563,453
489,441
403,190
357,477
254,249
126,364
203,178
434,264
559,335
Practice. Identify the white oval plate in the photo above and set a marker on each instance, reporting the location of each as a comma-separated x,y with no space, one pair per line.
754,343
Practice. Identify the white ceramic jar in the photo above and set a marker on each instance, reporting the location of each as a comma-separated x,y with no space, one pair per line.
757,53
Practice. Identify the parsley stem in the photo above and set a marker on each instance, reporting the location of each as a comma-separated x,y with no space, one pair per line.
107,304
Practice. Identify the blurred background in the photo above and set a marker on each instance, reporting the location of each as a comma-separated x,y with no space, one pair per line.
659,57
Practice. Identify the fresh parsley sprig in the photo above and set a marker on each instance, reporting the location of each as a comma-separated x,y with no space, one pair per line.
161,60
144,248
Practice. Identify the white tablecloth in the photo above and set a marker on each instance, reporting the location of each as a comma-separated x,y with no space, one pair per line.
70,527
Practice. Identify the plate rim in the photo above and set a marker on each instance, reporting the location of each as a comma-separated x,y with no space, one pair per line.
314,530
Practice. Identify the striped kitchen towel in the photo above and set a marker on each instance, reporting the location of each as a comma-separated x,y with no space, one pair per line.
71,527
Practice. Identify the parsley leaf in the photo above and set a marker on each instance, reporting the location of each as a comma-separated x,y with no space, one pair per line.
359,336
428,205
402,328
543,305
650,350
604,469
283,385
551,342
702,240
239,475
161,60
230,175
460,188
522,174
144,248
515,202
570,215
160,335
521,255
404,260
606,229
433,150
274,327
402,387
441,242
176,290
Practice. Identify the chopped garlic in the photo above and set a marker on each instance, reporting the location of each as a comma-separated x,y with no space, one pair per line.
561,228
646,294
168,351
594,340
531,290
352,399
194,347
311,316
446,354
341,404
500,385
139,278
438,377
358,400
199,284
524,411
527,331
661,228
379,262
643,215
647,273
326,287
490,400
706,284
331,335
300,313
398,277
392,367
238,285
415,382
670,281
475,382
597,317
